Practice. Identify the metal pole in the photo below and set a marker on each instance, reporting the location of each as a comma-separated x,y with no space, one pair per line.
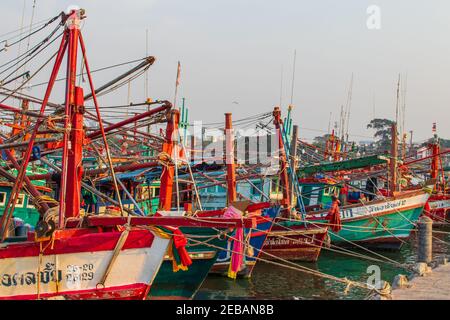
73,25
229,159
283,161
293,155
165,194
394,156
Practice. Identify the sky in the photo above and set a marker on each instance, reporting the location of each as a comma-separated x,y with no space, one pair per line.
232,54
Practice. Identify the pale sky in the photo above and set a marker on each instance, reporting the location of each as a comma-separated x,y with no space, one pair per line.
234,50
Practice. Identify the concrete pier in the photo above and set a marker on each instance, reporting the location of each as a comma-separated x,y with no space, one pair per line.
434,285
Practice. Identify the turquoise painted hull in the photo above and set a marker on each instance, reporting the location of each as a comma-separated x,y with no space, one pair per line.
181,284
382,232
184,284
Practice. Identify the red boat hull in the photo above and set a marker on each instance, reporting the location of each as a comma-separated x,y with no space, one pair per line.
439,209
74,265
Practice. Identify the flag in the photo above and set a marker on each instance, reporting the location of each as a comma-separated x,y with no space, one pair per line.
178,74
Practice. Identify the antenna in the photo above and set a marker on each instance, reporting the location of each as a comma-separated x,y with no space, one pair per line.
146,77
146,72
349,104
373,107
281,87
405,83
329,122
129,96
340,133
293,77
398,97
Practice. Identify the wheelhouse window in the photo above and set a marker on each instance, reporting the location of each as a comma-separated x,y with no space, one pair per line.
156,192
274,186
30,204
20,200
2,199
256,187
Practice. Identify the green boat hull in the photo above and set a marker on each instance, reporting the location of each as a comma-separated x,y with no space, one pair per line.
386,231
184,284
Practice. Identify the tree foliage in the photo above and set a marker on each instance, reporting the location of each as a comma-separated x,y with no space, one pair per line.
382,133
321,141
444,143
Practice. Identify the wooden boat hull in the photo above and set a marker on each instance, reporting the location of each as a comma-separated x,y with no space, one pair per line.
257,239
183,285
380,224
291,240
73,264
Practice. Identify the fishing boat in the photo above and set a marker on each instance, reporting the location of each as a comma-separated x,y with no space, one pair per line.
438,206
383,223
254,240
75,256
230,260
291,238
383,220
295,241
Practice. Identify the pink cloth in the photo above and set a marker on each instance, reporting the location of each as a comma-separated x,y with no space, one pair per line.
237,257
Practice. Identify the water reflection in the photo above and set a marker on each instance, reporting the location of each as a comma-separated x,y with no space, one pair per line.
274,282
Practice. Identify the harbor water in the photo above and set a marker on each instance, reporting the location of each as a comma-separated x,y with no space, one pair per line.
272,282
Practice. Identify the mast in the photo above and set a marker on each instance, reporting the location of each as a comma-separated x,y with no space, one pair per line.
229,158
75,155
293,155
165,194
411,142
393,161
281,86
69,196
348,108
293,78
435,160
283,172
398,100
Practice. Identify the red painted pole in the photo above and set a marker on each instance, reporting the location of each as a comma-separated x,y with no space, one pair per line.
165,193
435,161
75,156
19,111
283,161
229,159
425,158
95,134
67,200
